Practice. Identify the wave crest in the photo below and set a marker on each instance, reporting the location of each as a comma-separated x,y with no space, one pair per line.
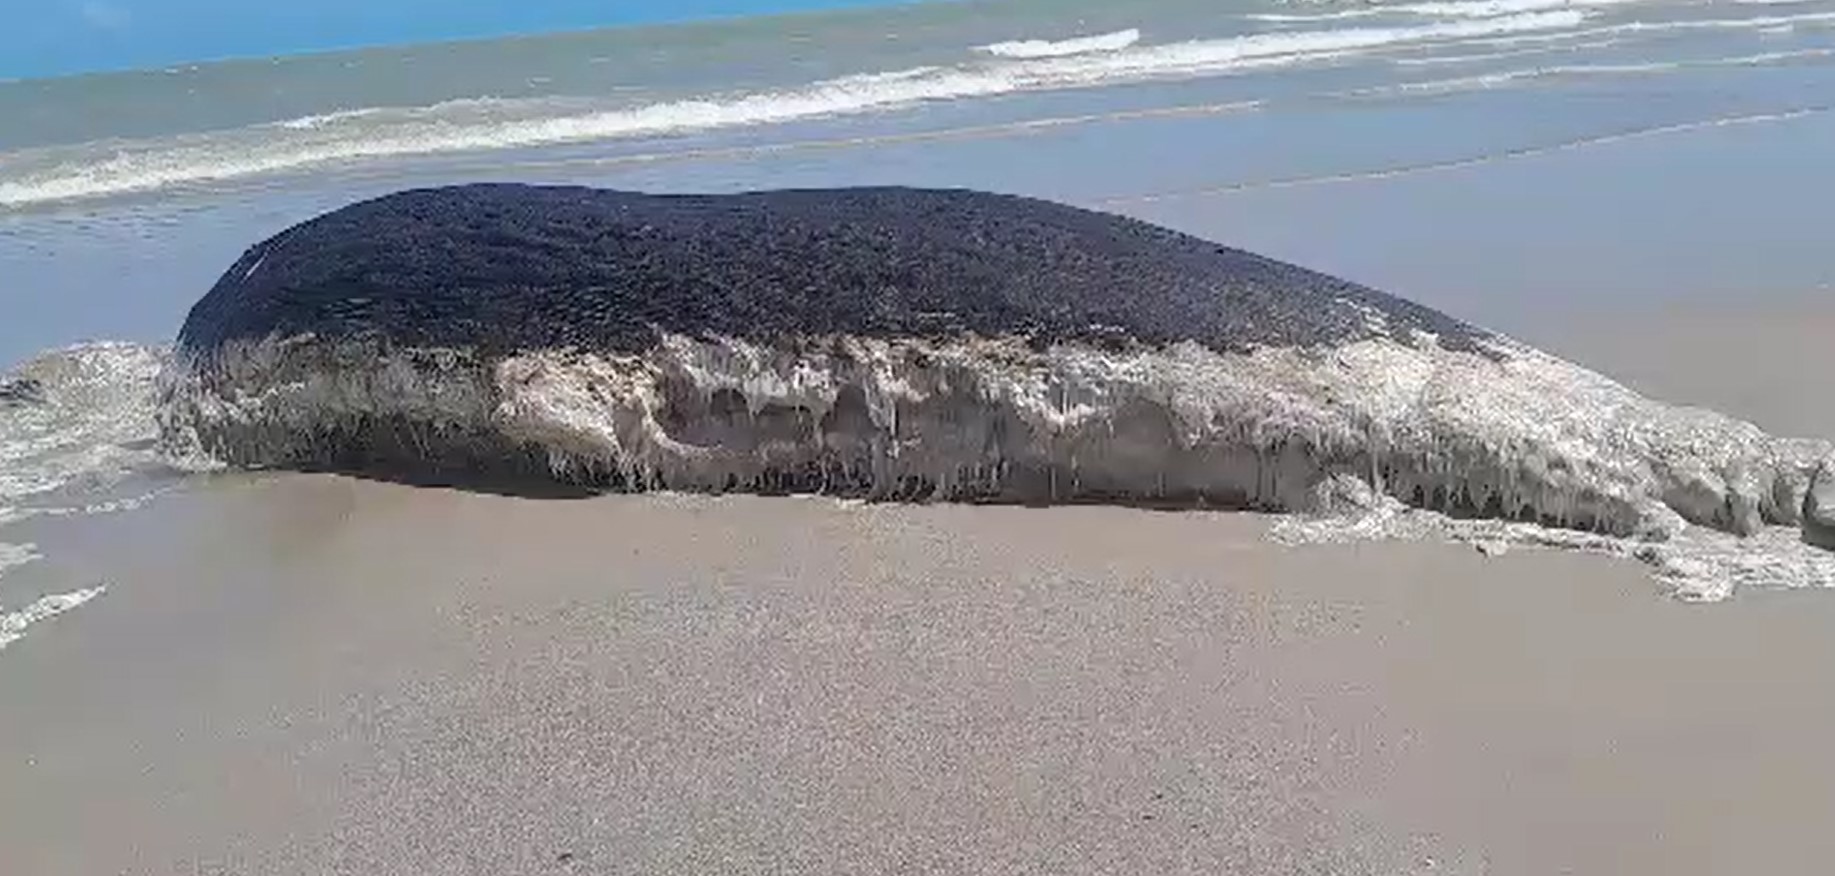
35,177
1107,42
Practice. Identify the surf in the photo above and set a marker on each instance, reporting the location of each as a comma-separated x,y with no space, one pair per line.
36,177
1108,42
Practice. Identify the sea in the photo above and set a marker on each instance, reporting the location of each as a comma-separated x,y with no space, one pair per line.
1407,145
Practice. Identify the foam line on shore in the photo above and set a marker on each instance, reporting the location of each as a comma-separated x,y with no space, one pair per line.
13,624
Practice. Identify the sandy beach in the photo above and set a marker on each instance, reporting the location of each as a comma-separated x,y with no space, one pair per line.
311,674
320,674
379,679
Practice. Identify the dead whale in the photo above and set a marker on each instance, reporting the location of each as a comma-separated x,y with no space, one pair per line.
916,344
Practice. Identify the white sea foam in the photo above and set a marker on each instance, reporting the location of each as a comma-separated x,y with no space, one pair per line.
1697,564
1754,23
87,509
15,555
91,424
95,423
34,177
13,624
331,118
1108,42
964,132
1765,24
1507,432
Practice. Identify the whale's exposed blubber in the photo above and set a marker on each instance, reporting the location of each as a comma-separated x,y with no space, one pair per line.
903,343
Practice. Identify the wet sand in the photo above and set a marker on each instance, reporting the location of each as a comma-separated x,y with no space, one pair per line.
318,674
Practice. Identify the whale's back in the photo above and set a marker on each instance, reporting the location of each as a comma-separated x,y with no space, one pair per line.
514,267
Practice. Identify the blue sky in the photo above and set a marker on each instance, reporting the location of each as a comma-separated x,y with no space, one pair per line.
56,37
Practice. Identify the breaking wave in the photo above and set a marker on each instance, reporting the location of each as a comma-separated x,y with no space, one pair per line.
306,123
1108,42
57,174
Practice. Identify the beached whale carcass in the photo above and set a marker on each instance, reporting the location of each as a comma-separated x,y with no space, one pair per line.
906,343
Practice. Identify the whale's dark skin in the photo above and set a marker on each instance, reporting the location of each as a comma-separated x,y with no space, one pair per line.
500,268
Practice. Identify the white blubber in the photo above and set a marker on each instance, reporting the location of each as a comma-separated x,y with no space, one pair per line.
1372,427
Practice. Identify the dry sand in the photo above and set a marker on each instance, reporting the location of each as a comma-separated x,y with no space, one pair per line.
305,674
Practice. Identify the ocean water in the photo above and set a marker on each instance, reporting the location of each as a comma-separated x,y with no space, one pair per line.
1403,144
